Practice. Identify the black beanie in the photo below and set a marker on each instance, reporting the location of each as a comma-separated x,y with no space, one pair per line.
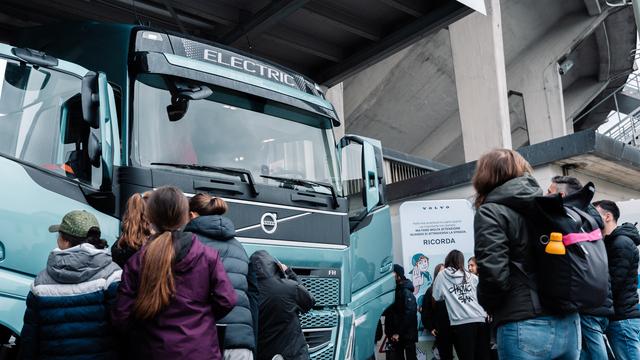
398,269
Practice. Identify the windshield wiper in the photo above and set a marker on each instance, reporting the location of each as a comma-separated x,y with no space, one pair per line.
241,173
305,183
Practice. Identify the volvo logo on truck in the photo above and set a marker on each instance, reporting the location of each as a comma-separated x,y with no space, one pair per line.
269,222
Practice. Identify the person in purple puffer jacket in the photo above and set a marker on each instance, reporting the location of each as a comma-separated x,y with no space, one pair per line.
173,289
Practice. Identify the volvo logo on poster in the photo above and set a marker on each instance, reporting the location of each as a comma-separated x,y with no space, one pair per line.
429,230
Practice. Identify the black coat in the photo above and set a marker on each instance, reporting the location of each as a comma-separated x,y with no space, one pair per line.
402,317
501,238
434,314
622,252
281,297
241,324
121,255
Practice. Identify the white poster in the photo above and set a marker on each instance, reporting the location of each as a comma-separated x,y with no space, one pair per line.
430,230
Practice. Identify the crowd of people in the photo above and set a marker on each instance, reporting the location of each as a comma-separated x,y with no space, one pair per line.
498,307
176,285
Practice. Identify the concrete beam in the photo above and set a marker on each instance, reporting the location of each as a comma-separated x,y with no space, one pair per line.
305,43
604,52
411,7
342,20
263,19
481,81
593,7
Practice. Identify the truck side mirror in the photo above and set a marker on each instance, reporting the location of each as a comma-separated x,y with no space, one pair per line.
361,174
90,95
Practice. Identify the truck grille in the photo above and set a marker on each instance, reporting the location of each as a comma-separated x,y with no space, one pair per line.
326,291
320,328
326,354
319,319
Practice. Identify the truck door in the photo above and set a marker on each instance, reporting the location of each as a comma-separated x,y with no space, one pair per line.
370,248
370,239
57,151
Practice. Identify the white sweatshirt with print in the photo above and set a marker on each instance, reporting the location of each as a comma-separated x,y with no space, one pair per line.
458,289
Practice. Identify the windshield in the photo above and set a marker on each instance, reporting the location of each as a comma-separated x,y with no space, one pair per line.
232,129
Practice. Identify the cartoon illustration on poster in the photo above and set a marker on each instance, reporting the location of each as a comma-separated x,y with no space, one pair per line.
430,230
420,276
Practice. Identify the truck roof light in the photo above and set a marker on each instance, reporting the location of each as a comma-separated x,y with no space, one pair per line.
151,36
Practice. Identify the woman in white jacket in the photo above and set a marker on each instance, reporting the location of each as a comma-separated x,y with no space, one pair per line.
457,287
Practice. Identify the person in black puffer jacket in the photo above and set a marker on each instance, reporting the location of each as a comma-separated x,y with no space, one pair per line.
593,321
401,318
218,232
621,242
282,298
505,193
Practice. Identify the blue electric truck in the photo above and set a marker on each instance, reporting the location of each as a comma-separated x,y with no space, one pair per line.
165,109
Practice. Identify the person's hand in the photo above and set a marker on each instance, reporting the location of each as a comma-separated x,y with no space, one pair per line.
395,337
283,267
434,332
417,276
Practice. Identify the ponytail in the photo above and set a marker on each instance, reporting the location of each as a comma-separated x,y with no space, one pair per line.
156,283
135,226
205,204
168,210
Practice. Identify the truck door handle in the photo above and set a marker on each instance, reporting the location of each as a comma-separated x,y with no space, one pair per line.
386,265
228,187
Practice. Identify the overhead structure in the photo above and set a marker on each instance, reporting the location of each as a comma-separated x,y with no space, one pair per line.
327,40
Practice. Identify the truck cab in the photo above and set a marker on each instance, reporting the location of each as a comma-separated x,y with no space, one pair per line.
207,118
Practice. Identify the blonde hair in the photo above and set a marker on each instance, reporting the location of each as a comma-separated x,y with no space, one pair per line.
135,225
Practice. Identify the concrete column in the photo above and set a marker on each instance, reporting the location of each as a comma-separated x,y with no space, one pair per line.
335,95
544,106
481,81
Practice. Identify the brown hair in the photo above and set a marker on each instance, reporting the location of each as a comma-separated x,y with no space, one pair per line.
168,210
93,238
496,168
135,225
205,204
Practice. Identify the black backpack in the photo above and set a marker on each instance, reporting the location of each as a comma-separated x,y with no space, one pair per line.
579,279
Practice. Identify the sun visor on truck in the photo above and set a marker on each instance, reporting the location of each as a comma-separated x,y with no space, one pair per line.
153,41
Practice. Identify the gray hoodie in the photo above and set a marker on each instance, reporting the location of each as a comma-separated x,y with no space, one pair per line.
458,290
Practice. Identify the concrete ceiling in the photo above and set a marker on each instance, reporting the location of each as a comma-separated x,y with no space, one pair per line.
409,101
327,40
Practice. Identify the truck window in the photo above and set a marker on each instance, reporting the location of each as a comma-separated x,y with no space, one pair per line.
41,120
233,130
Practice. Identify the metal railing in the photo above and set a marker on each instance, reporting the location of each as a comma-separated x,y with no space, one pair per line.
626,130
398,171
630,88
621,125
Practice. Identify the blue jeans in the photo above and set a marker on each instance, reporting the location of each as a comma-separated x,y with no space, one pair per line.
541,338
593,329
624,337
